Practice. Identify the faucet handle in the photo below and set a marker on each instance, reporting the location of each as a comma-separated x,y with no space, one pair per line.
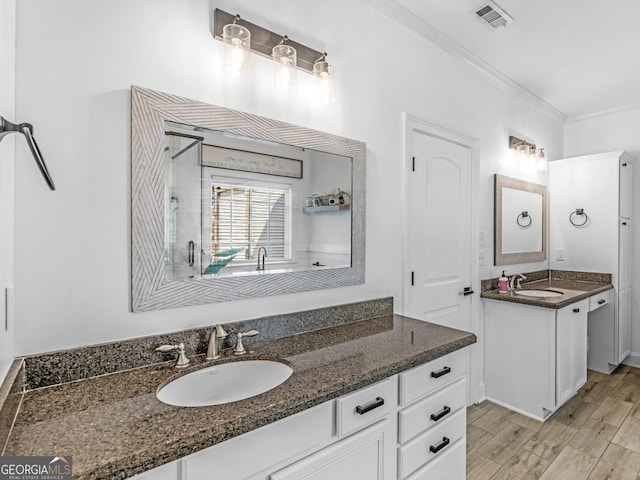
239,348
182,360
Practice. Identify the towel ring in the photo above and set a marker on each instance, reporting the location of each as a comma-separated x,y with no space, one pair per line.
521,218
578,213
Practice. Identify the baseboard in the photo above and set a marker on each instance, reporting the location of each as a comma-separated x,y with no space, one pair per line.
633,360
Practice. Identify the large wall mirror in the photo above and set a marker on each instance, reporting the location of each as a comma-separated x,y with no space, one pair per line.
227,205
520,221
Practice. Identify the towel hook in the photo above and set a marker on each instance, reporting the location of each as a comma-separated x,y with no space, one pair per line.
578,213
522,218
6,127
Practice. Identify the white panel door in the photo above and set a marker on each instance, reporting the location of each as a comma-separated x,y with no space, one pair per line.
439,230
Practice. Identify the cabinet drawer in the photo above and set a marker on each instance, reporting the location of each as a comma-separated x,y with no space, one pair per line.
440,438
601,299
278,442
432,410
451,465
431,376
366,405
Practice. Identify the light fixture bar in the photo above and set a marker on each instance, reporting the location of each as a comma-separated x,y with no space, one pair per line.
263,40
515,142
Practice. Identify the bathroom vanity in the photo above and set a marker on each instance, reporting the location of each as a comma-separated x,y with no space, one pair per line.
536,346
383,396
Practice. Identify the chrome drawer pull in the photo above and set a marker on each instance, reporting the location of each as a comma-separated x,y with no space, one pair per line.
367,407
442,372
442,413
436,448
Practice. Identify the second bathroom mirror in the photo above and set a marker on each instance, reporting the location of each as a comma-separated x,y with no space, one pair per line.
520,221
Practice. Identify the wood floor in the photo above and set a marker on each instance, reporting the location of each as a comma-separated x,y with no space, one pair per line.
594,436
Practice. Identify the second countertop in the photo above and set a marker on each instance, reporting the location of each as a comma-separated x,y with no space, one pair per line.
572,290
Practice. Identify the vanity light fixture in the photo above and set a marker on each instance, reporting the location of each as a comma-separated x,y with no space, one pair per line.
528,152
237,46
284,65
324,80
245,37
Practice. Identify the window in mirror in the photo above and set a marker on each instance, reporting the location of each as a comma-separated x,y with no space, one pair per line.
246,218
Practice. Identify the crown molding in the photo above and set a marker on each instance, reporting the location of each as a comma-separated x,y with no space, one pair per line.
603,113
409,20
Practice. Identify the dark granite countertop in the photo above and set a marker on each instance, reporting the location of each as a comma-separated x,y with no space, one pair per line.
115,427
573,291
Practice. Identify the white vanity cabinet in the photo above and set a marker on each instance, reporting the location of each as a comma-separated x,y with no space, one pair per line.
536,357
600,185
409,426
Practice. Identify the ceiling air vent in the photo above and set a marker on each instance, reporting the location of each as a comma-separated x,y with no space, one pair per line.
493,16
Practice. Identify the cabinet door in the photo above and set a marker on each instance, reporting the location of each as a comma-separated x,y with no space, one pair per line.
624,324
624,255
369,454
520,357
571,350
625,188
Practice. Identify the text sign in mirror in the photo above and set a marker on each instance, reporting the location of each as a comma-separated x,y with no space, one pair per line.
237,206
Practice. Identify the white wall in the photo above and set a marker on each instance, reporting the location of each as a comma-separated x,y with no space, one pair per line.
603,133
7,182
76,62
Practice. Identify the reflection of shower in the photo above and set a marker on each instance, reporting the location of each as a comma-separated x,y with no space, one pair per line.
26,129
173,219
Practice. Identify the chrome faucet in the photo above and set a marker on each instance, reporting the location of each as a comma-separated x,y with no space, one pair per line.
516,281
264,255
213,350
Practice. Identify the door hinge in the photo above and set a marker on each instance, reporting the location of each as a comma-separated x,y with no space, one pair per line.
412,278
413,164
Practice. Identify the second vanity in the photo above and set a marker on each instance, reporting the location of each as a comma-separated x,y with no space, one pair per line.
536,346
380,397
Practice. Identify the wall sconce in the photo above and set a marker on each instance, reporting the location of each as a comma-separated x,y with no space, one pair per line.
237,44
284,65
529,153
324,80
286,54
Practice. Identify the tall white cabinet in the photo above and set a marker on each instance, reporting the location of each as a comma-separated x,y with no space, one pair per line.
590,231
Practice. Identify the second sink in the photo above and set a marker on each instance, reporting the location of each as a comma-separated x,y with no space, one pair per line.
224,383
539,293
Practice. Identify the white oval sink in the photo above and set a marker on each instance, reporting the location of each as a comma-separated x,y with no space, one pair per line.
224,383
539,293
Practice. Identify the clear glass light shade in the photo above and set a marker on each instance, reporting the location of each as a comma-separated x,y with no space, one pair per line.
237,47
541,161
285,62
324,79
